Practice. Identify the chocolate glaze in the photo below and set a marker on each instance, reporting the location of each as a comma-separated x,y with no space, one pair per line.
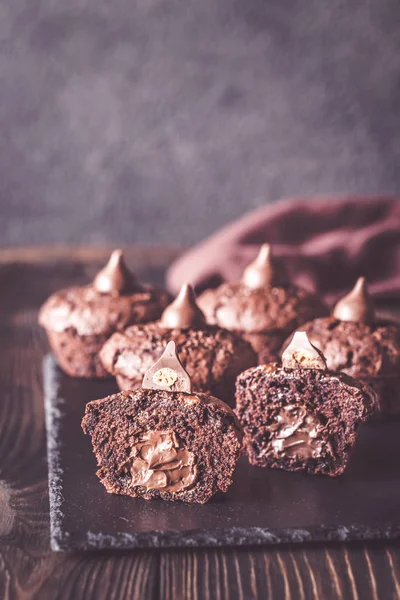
301,354
295,434
265,270
168,373
357,306
183,313
160,462
115,278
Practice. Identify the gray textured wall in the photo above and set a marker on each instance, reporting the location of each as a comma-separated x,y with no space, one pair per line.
160,120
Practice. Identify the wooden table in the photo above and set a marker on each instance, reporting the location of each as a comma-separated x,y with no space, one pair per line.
28,568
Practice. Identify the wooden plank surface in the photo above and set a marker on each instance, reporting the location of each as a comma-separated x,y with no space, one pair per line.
28,569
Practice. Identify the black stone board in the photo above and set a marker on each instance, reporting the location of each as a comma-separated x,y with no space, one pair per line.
263,506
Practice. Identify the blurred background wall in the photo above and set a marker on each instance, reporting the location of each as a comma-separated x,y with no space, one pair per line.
161,120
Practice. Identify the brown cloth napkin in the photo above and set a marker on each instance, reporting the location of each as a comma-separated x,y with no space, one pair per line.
326,243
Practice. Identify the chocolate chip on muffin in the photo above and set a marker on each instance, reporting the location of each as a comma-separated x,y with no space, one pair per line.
264,306
163,440
299,416
212,356
354,341
78,320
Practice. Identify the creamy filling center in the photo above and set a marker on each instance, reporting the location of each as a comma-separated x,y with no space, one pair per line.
160,462
296,434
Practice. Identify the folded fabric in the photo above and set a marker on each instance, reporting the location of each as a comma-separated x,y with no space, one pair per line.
326,243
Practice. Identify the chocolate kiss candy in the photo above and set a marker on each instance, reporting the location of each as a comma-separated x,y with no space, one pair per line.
357,306
167,373
264,271
183,312
115,277
301,354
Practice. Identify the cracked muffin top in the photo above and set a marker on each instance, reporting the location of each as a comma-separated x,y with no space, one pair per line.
354,341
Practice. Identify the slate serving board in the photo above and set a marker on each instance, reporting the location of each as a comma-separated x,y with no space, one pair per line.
261,507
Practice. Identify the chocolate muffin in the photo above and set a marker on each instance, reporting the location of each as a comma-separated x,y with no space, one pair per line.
355,342
162,440
213,357
78,320
264,307
299,416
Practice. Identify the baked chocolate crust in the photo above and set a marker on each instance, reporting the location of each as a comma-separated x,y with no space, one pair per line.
301,419
79,320
370,352
237,307
90,312
267,311
358,349
207,439
267,346
212,356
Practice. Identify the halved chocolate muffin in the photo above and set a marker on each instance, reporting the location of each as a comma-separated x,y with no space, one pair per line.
264,306
299,416
78,320
213,357
354,341
163,440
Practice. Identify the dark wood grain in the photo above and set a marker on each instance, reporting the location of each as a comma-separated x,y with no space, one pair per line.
296,574
28,569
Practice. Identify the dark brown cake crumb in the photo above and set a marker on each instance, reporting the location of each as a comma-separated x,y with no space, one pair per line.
212,356
169,445
301,419
370,352
356,342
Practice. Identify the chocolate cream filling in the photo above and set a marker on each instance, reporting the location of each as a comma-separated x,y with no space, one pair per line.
295,434
160,462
